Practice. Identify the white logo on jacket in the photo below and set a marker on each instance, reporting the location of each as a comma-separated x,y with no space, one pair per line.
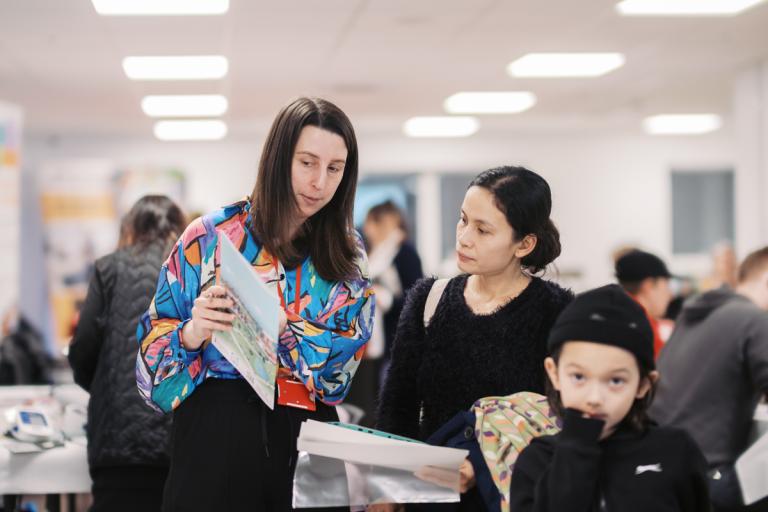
656,468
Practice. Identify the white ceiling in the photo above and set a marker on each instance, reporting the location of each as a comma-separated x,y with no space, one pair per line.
382,61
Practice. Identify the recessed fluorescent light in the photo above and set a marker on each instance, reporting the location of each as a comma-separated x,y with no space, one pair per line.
159,7
201,105
684,7
681,124
441,126
201,67
565,64
489,102
190,130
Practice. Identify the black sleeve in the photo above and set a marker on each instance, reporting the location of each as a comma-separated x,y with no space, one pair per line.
408,266
400,403
459,432
86,343
559,474
693,493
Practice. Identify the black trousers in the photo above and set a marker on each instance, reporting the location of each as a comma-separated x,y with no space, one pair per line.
229,451
128,488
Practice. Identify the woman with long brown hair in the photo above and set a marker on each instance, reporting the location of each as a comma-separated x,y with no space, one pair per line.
229,450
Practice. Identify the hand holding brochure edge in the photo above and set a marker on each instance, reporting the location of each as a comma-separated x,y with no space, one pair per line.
251,344
380,467
341,442
211,312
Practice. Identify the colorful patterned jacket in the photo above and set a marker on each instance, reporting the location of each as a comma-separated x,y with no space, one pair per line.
322,345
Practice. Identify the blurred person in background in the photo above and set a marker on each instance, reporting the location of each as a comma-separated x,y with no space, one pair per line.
724,268
394,266
644,276
715,371
393,263
24,358
127,442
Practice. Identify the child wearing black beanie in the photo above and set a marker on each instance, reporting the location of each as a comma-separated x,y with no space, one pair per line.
608,456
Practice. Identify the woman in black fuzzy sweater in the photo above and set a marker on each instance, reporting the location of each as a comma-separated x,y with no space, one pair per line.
489,330
463,356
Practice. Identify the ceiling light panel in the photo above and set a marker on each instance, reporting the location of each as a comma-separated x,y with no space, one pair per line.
681,124
190,130
555,65
160,7
511,102
441,126
200,67
684,7
192,105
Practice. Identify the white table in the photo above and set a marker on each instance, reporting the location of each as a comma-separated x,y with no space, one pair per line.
61,470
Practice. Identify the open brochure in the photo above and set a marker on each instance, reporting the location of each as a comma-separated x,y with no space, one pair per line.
251,345
347,465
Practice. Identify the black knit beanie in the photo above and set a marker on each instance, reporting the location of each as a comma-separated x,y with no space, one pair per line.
605,315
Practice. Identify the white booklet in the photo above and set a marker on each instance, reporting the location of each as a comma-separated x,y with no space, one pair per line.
357,466
360,445
251,345
752,471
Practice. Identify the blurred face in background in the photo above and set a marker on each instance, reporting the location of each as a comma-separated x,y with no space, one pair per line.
656,295
377,229
485,242
725,266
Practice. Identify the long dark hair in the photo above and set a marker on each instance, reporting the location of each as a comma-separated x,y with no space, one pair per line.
152,219
327,235
637,418
525,199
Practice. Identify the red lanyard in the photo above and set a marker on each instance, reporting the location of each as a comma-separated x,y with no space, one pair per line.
297,293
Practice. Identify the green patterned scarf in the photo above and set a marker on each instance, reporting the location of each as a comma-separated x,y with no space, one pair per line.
504,426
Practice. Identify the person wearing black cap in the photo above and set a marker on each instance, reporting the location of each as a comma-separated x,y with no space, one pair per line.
645,277
608,456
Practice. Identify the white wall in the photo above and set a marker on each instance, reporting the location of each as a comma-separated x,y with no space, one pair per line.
608,188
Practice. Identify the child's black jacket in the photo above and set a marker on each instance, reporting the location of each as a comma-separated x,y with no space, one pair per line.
659,470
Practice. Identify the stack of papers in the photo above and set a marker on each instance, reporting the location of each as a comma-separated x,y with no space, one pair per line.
347,465
359,445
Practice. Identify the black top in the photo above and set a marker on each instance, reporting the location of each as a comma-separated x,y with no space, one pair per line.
408,266
463,356
122,430
659,470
